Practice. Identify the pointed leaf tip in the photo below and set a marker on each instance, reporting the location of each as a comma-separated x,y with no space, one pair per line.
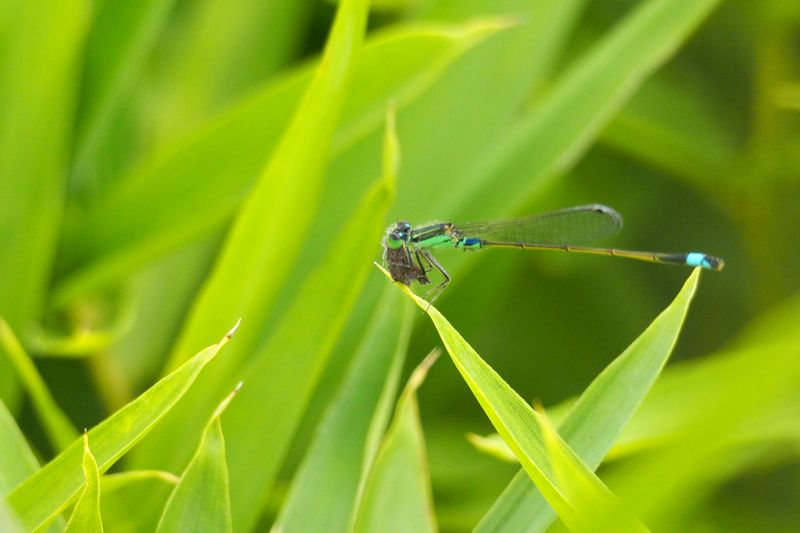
419,374
224,403
230,334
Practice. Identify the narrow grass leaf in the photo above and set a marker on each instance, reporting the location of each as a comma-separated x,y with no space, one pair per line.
111,483
85,517
670,410
121,495
230,150
48,491
259,252
674,125
17,460
293,358
212,60
716,444
596,420
201,501
117,46
493,445
329,477
519,425
9,522
56,425
264,241
397,492
40,46
597,509
581,102
520,60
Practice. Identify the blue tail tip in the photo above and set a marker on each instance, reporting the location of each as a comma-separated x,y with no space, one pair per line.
708,262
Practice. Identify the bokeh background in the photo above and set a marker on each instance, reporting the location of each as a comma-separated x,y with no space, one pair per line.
699,150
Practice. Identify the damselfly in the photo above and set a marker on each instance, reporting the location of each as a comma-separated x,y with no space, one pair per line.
408,250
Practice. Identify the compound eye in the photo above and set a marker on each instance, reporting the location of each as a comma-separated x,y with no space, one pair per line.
395,239
404,226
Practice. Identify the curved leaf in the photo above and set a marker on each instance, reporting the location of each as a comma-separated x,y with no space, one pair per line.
39,48
201,501
117,46
56,424
521,427
564,122
397,493
230,151
48,491
17,461
86,515
596,420
343,447
295,359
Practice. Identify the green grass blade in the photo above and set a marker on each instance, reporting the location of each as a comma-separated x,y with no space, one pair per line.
230,151
117,46
519,425
121,495
343,445
212,60
48,491
295,359
86,515
57,426
38,52
397,492
111,483
596,420
579,104
675,126
269,230
715,442
9,522
597,508
520,61
267,235
17,461
670,409
201,501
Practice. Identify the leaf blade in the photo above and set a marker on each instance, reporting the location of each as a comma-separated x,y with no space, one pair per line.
201,500
596,420
342,448
520,426
86,515
48,491
397,494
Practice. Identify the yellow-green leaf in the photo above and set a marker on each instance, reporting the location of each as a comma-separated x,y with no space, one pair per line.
344,445
17,461
8,522
397,493
519,425
260,250
597,509
48,491
294,358
56,424
86,515
39,49
230,150
596,420
202,501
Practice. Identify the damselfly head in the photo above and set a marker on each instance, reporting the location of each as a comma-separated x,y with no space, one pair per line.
398,235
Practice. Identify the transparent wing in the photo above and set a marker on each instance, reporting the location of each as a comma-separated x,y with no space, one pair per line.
584,224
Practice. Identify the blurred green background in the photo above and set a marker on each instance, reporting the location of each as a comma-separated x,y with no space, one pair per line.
132,132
